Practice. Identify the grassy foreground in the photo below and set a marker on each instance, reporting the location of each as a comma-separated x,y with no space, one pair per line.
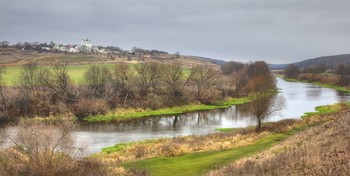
139,113
198,163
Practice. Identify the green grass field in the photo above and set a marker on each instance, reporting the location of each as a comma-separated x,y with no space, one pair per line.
76,73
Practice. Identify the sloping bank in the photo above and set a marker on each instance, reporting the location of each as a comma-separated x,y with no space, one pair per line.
195,155
128,114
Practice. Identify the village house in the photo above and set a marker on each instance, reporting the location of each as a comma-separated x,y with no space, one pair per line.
84,47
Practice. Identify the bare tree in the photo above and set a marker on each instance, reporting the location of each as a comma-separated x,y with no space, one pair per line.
124,80
175,78
33,96
97,79
225,85
231,67
148,77
291,71
204,78
263,106
57,81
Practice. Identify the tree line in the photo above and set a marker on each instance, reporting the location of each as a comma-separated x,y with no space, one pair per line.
50,91
342,70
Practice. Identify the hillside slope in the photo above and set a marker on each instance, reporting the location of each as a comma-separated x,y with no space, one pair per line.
329,61
16,57
323,150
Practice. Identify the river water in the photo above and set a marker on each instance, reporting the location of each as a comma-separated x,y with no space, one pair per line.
299,98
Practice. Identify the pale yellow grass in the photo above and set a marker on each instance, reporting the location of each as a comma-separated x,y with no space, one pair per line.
323,150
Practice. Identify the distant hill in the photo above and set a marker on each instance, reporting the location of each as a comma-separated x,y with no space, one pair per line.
214,61
277,66
18,57
329,61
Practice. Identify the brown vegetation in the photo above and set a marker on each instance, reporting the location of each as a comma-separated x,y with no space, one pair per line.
184,145
42,148
18,57
338,76
44,91
323,150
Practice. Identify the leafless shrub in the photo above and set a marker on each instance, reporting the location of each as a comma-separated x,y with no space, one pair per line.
41,149
87,107
97,79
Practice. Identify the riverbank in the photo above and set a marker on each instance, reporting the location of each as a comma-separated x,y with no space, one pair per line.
194,155
328,83
130,113
322,150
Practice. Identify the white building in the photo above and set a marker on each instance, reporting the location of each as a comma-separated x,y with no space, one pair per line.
86,42
84,47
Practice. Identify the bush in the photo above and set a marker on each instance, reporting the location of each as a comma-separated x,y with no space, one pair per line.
89,107
41,148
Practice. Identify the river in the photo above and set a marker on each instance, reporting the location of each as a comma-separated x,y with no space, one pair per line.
299,98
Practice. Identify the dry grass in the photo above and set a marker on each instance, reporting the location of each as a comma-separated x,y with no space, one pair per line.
46,149
120,154
16,57
178,146
323,150
172,147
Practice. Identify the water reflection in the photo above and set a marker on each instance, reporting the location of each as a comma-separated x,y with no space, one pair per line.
343,96
299,97
313,92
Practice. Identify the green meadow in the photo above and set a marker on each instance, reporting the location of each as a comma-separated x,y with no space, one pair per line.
76,73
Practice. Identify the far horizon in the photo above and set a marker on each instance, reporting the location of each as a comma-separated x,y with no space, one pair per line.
71,43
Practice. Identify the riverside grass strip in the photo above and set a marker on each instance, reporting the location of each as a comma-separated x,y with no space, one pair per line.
340,88
130,113
134,114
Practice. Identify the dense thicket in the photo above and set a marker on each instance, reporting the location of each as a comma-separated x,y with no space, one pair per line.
43,148
44,91
341,73
291,71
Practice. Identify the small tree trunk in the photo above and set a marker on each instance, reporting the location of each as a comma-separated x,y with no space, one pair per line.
258,127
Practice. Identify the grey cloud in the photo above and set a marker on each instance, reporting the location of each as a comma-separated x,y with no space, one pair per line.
274,30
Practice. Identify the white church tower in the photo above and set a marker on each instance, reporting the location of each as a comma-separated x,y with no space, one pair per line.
87,43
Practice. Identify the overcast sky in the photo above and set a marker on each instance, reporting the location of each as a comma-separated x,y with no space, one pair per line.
277,31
